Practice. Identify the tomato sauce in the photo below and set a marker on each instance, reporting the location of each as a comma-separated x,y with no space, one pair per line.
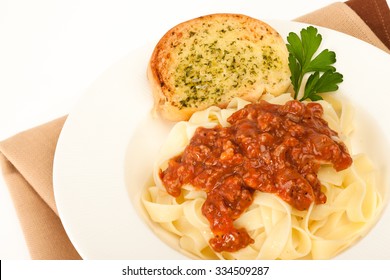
269,148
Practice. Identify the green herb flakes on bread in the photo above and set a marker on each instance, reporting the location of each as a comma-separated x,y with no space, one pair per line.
211,59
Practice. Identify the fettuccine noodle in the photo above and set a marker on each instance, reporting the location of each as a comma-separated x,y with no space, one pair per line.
279,230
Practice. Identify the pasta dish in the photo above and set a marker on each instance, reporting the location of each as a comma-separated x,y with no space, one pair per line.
271,180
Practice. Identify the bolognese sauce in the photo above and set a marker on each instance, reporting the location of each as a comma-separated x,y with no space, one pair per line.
267,147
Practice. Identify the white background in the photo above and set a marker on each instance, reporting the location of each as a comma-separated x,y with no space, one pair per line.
52,50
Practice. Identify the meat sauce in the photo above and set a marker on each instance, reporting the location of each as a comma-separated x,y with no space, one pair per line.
269,148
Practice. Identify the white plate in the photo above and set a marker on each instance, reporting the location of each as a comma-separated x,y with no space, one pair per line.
106,149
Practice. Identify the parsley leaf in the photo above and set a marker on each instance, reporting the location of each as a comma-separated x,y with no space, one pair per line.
316,84
301,61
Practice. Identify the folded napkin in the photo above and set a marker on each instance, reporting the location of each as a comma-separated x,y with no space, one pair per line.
368,20
27,163
27,158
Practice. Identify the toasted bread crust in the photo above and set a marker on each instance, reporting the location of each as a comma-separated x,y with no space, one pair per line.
211,59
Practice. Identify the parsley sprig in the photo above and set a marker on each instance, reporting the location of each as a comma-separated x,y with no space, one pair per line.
324,77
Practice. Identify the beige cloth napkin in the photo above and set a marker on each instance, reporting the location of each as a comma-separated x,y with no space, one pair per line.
27,158
368,20
27,163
